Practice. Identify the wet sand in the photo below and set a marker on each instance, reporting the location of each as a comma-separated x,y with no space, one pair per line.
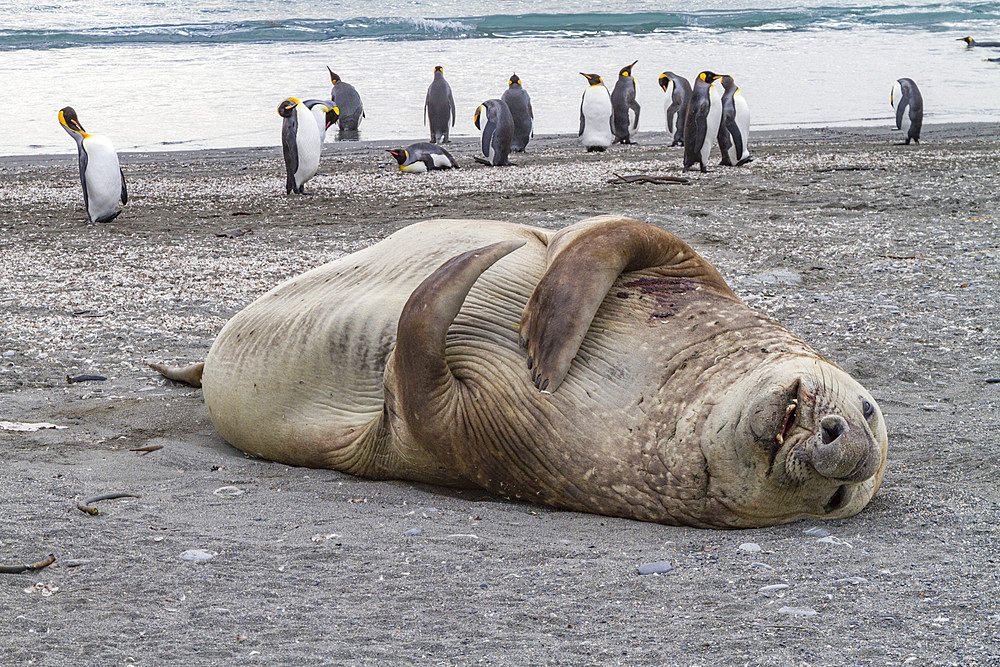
885,258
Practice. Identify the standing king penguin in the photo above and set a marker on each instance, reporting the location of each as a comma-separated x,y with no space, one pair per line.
519,103
345,97
701,124
101,174
678,92
734,127
300,144
908,103
439,105
596,117
498,131
624,106
422,157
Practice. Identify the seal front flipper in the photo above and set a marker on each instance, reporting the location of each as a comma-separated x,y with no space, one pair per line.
584,261
188,374
419,384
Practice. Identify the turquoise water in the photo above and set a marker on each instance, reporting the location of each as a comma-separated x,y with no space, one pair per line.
162,75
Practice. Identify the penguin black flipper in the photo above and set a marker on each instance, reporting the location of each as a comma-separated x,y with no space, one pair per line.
634,106
902,107
124,189
725,143
291,151
451,103
737,137
488,131
582,120
83,178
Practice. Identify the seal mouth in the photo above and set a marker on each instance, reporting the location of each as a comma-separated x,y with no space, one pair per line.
837,500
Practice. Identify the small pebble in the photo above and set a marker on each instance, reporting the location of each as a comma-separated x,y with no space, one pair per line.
816,531
198,555
657,567
830,539
762,566
773,588
854,581
412,532
751,547
228,491
75,562
798,611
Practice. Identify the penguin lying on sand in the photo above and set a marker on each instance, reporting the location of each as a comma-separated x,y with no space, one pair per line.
498,131
908,103
422,157
519,102
101,174
624,107
300,143
596,116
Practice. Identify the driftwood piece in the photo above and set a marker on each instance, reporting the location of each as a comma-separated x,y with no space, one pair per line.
649,178
85,506
34,567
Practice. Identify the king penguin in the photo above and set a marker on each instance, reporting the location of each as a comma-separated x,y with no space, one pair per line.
596,117
345,97
326,114
908,103
624,106
300,144
517,100
422,157
498,131
675,106
439,105
734,127
101,174
701,124
969,42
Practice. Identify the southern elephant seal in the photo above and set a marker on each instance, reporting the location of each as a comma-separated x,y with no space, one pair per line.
602,368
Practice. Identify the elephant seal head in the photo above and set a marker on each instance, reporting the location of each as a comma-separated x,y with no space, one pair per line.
796,438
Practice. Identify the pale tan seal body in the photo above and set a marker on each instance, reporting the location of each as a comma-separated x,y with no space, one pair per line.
653,393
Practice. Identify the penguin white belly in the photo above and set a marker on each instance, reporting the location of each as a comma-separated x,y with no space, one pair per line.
440,161
103,177
307,143
905,121
320,115
415,168
743,122
666,106
633,123
596,117
713,120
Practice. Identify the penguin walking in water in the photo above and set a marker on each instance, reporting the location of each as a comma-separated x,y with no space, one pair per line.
422,157
908,103
701,124
326,114
734,126
498,132
675,106
345,97
624,106
439,105
300,144
101,174
596,116
517,100
969,42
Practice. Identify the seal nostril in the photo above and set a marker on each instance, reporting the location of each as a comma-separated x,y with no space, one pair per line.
833,428
837,499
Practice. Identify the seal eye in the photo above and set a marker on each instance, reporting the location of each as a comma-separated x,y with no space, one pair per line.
867,409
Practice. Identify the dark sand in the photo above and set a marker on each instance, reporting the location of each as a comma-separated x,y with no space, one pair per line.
893,271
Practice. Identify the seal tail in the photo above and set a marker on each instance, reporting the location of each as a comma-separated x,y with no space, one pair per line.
188,374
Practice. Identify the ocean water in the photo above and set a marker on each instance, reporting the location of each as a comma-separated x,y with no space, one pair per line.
164,74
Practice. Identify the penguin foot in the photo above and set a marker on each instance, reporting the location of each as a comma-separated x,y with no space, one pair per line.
109,218
482,161
595,149
748,158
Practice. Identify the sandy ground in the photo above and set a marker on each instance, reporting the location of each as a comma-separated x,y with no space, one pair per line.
886,258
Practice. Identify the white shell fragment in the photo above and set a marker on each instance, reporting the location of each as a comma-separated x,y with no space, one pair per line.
27,426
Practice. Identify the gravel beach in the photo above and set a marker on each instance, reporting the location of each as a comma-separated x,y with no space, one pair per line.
886,258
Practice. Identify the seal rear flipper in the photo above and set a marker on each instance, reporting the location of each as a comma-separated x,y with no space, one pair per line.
188,374
584,261
124,189
419,384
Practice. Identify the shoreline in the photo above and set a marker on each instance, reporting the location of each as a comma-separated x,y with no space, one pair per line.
884,258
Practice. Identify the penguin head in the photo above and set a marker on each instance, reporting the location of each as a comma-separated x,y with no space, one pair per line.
593,79
515,80
709,77
287,107
334,79
70,123
332,114
627,70
400,154
438,71
967,40
664,81
479,110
